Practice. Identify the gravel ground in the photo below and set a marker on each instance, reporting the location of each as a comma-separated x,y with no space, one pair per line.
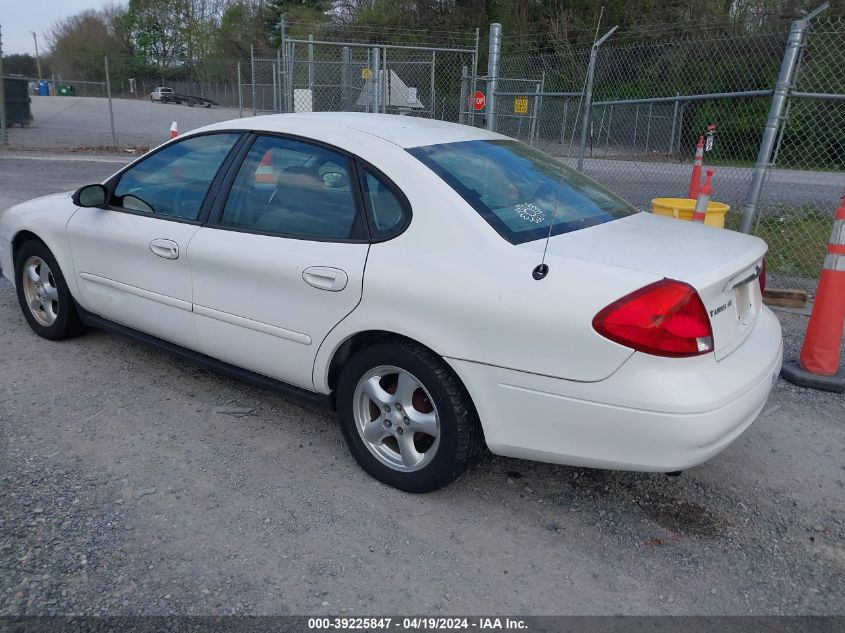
133,482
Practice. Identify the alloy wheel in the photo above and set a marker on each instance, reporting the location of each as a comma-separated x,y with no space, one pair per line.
396,418
40,291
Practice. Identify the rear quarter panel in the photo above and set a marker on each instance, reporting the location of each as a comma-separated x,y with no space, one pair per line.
453,284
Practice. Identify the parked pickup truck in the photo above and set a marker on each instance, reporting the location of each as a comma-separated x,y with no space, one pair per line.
166,95
158,92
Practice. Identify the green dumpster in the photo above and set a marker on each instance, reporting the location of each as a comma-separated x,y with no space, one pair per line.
16,90
65,91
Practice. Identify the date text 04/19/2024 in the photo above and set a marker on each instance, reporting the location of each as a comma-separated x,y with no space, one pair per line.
417,623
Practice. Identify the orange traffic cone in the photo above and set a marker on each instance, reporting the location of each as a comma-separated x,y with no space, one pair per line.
695,177
703,199
174,130
818,364
265,175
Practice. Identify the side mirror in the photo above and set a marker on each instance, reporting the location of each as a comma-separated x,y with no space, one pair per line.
90,196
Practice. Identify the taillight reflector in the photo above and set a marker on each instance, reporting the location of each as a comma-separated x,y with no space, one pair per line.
762,277
666,318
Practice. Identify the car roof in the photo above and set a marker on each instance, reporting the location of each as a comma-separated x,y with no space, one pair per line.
404,131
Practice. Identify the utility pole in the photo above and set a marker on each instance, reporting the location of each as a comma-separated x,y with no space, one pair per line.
37,58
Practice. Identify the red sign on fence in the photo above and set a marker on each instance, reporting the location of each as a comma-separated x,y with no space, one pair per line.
477,101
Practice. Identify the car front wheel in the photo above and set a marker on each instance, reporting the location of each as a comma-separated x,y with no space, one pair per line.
43,294
406,417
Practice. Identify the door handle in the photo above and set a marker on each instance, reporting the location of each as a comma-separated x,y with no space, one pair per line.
165,248
325,278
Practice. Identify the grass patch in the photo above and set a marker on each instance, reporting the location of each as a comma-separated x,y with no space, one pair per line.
797,240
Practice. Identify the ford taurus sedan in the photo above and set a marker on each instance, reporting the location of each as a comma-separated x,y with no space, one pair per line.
441,287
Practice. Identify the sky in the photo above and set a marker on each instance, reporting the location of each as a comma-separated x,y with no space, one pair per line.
19,17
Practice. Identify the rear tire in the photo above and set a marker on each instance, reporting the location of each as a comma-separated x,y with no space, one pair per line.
45,300
406,417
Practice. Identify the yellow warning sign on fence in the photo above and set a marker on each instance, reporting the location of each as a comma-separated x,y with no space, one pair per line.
366,73
520,105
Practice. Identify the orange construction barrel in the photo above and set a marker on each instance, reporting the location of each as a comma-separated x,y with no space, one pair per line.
682,208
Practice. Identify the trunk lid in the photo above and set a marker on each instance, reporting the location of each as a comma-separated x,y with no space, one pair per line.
721,265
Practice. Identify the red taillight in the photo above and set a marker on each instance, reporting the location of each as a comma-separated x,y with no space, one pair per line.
666,318
762,277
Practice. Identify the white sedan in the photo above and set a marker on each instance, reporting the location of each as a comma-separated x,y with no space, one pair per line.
440,286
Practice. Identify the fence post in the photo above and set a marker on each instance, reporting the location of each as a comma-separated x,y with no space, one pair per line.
588,96
275,89
2,95
252,76
278,77
674,125
494,58
794,44
291,55
433,99
283,70
240,93
311,65
532,129
375,79
108,94
470,118
345,62
464,102
385,95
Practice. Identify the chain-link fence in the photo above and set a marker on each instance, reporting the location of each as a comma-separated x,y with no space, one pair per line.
628,111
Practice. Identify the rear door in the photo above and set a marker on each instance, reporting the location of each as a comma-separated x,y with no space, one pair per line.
130,258
282,259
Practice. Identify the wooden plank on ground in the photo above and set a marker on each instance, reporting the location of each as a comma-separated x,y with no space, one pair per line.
785,298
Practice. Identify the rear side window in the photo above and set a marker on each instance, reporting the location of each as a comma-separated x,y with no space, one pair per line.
389,210
520,191
294,189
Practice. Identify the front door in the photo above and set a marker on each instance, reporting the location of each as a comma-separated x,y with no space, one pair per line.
130,258
283,261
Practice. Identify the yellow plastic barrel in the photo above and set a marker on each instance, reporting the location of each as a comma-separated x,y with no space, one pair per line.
682,208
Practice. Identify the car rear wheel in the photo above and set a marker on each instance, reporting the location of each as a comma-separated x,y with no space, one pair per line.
406,417
43,294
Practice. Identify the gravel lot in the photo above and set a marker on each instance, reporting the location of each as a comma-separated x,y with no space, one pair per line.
131,482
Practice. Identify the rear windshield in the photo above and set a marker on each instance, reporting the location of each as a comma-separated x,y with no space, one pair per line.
519,190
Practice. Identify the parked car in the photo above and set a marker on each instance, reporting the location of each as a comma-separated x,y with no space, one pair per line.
439,285
159,93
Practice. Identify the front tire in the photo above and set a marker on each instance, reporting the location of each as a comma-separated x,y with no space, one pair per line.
406,417
45,300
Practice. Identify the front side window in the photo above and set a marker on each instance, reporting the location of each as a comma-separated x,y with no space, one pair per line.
294,189
173,181
520,191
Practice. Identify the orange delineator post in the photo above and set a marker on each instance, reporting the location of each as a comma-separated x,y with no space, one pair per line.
820,351
703,199
695,177
174,130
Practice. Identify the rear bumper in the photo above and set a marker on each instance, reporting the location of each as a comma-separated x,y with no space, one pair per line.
653,414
